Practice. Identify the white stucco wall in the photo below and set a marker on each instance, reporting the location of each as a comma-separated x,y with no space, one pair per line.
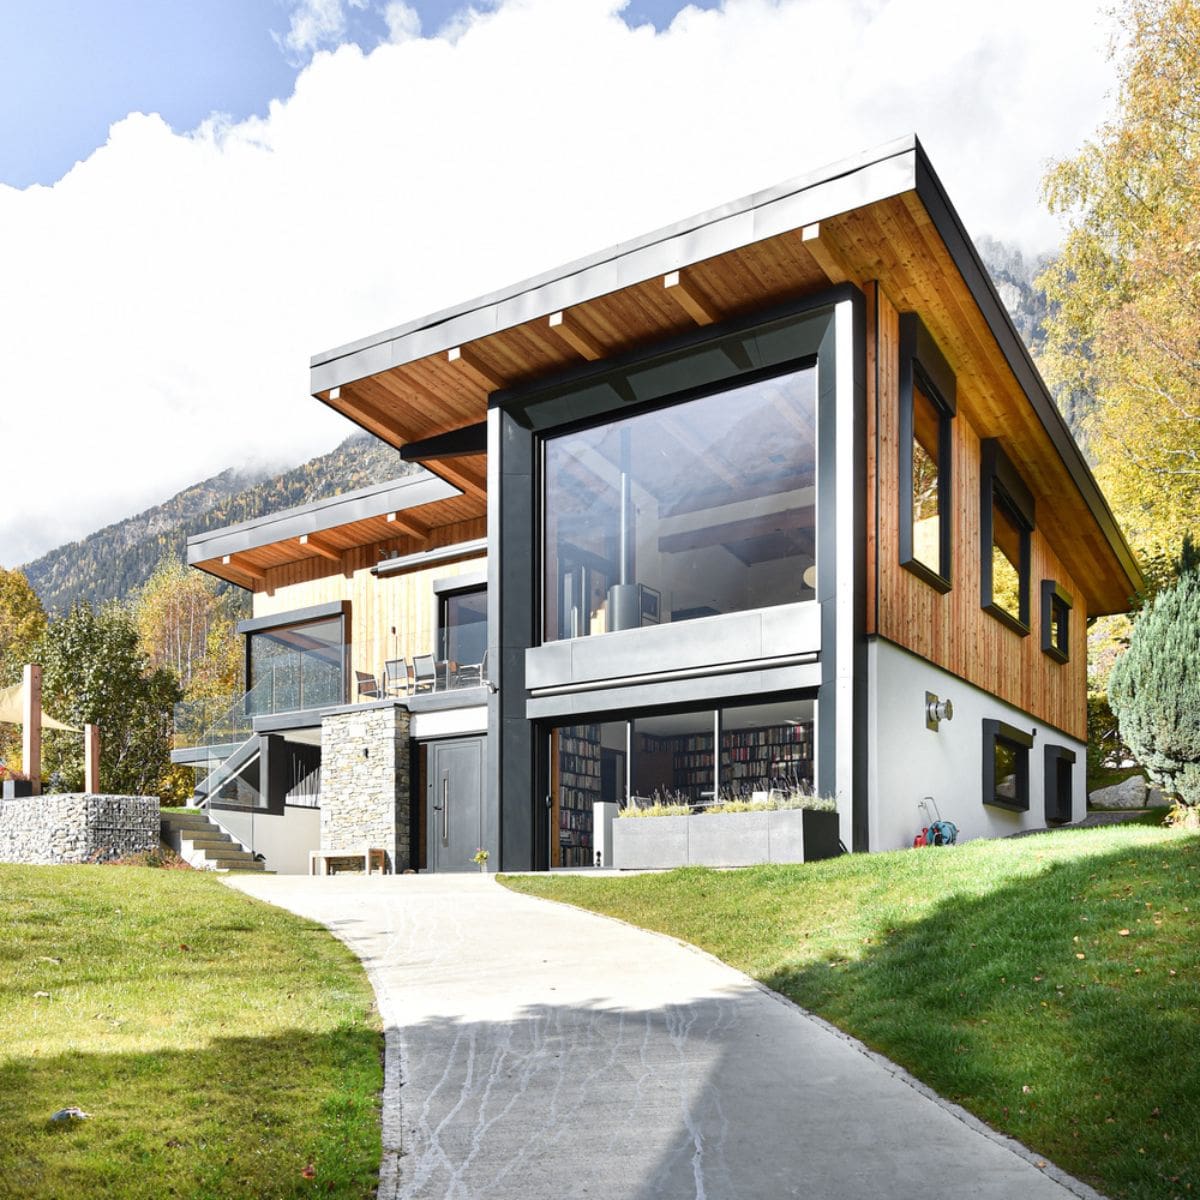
283,839
908,762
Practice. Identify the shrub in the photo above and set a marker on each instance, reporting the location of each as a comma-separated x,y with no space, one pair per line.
1154,689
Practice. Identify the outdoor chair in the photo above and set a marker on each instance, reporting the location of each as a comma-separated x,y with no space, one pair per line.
425,676
368,685
396,676
470,674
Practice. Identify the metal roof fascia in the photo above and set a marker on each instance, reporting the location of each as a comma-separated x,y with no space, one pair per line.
327,513
979,283
865,179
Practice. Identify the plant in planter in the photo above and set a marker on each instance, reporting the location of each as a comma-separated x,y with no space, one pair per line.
15,785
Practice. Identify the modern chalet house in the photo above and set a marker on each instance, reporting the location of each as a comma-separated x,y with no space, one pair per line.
772,497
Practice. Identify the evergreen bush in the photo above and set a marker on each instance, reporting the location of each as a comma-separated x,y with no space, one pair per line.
1154,688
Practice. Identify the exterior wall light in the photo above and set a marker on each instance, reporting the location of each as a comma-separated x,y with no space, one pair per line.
937,711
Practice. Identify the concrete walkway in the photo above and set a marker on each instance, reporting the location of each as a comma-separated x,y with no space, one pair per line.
538,1051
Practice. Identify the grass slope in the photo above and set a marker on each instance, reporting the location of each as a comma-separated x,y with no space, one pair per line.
1049,984
220,1045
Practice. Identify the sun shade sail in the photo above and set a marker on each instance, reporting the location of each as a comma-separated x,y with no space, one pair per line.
12,710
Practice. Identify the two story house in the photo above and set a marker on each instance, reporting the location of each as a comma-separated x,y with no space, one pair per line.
772,497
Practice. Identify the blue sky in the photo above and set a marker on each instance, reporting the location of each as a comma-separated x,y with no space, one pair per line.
70,68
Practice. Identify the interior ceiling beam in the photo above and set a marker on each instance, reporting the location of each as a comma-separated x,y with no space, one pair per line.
704,453
325,549
568,330
685,294
791,520
469,361
827,256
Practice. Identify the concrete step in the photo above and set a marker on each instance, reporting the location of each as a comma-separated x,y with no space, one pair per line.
207,841
227,863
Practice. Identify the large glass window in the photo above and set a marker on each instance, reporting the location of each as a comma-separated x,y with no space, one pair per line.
693,759
1056,621
707,506
1007,581
463,627
294,667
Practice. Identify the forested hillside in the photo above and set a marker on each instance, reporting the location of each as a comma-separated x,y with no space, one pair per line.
114,561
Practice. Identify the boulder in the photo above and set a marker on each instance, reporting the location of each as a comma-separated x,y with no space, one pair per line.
1155,799
1129,793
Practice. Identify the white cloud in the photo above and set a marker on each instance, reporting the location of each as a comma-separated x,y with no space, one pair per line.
403,22
160,302
314,25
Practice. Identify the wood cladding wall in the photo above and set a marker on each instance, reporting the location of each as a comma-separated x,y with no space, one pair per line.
952,630
377,603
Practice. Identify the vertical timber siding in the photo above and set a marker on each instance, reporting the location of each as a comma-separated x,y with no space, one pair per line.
405,600
952,630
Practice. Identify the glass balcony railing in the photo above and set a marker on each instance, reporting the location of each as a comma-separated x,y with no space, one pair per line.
292,682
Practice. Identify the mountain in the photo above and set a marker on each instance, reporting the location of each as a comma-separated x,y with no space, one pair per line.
116,560
1015,278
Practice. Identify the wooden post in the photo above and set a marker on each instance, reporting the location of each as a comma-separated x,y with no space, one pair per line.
91,758
31,729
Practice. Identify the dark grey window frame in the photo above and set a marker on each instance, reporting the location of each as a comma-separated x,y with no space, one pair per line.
1054,595
923,366
1056,811
1022,742
1000,481
445,590
518,418
300,616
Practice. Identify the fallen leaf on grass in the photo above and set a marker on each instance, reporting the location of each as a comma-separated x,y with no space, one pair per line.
46,995
1026,1088
1123,932
56,961
1080,954
71,1114
309,1172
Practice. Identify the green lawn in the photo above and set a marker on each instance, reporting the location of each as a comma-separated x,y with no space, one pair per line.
1049,984
220,1045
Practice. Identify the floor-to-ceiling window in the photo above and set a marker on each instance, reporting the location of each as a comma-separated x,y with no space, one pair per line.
693,759
299,666
701,507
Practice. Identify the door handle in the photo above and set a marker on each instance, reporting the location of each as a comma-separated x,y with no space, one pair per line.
445,810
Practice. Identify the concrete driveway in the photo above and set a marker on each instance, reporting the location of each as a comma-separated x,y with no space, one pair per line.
538,1051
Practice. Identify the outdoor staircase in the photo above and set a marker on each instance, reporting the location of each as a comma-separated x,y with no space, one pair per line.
202,843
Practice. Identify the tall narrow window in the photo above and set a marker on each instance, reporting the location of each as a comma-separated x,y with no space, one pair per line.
1056,621
1006,522
927,399
1060,766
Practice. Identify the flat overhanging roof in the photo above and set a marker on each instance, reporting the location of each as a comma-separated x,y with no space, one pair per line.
409,509
880,218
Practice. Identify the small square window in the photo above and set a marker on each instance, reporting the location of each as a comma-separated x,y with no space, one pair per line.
1006,766
1056,621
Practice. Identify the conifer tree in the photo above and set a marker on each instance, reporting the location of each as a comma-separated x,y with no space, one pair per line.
1154,688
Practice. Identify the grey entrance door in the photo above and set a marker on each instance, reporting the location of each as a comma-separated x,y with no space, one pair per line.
454,804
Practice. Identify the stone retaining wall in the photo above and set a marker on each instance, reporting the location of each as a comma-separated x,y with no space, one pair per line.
77,827
365,770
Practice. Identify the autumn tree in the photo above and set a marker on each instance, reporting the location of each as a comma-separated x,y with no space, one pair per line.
22,623
185,623
1124,325
94,671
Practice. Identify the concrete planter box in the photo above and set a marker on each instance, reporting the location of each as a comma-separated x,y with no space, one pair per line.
724,839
